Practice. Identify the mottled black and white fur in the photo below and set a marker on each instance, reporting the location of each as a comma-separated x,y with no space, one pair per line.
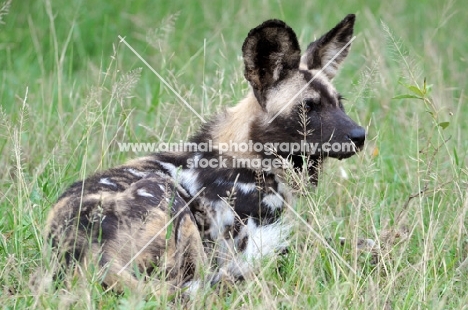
160,217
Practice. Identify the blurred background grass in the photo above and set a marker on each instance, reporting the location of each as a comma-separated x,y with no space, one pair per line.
70,91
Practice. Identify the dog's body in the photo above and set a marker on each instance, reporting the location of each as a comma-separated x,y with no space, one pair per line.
165,216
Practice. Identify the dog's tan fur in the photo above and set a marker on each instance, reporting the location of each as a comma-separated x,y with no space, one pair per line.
234,124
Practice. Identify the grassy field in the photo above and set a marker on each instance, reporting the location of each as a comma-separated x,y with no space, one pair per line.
69,92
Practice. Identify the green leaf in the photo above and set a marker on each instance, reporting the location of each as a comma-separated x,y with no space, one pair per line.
416,90
455,155
407,96
444,124
430,112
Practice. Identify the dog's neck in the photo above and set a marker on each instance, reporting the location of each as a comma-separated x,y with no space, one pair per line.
232,127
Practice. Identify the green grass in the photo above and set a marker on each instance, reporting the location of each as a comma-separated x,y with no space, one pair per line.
69,91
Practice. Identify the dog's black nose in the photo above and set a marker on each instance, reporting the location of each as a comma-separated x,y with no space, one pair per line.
357,136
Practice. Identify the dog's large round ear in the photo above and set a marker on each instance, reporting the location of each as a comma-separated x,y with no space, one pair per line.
270,52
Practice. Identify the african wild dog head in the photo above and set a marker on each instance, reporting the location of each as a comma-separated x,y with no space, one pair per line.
297,98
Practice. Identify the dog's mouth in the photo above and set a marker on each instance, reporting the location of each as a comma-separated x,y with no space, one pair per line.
298,160
344,155
313,162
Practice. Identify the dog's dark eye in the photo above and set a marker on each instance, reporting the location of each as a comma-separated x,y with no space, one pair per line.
340,103
311,104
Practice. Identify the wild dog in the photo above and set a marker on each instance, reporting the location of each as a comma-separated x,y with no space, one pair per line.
164,216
